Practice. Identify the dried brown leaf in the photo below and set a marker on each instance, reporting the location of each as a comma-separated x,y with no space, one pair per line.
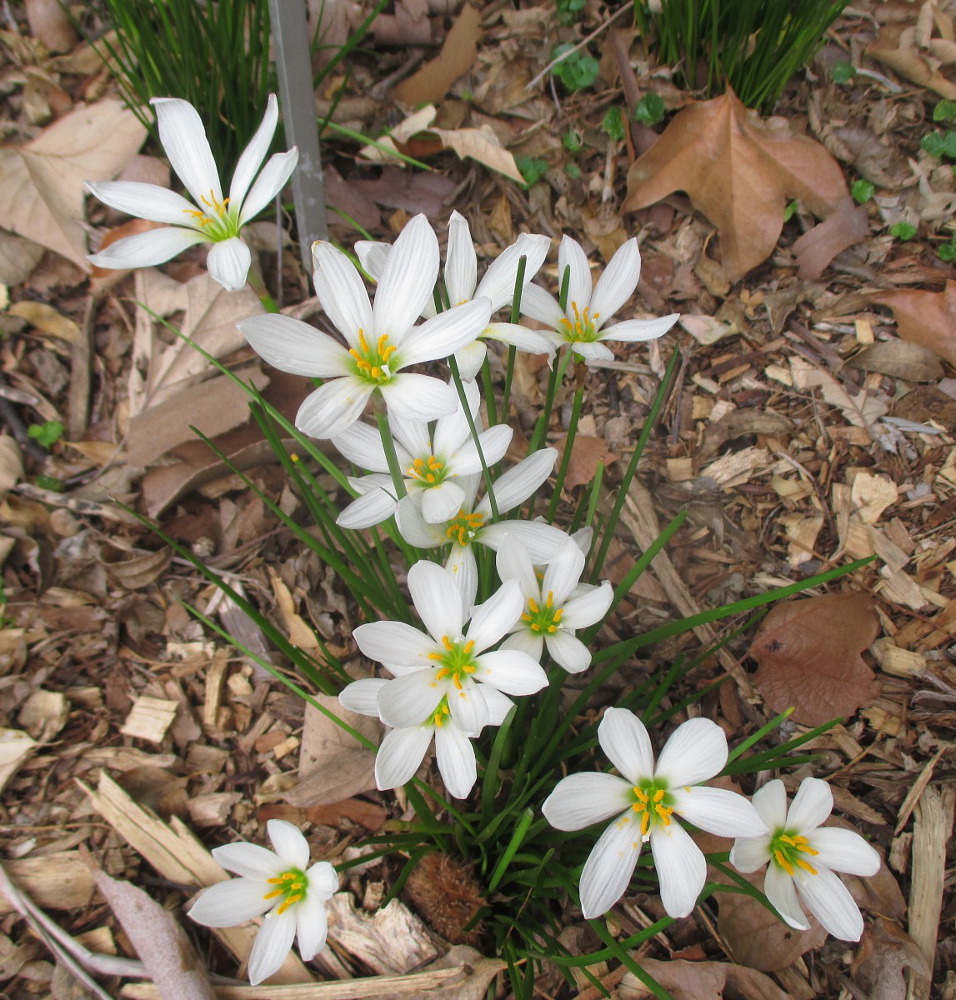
846,225
926,318
701,981
900,359
458,54
740,171
11,464
586,452
809,656
896,47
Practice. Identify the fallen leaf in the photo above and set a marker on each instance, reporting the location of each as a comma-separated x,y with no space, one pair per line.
871,494
900,359
162,945
458,54
46,319
701,981
847,224
51,24
925,318
586,452
45,179
896,47
885,951
740,171
15,747
18,257
809,656
11,464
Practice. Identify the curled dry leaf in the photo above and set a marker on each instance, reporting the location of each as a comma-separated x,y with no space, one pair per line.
701,981
925,318
11,464
740,171
848,224
458,54
586,452
809,656
897,46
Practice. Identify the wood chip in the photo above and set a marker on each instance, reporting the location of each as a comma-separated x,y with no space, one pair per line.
390,940
149,718
15,747
59,881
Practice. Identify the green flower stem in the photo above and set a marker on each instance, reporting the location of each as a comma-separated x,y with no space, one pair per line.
509,378
472,426
568,442
391,455
517,838
256,283
488,387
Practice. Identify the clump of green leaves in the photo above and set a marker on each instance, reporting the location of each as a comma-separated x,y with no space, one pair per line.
755,46
532,168
613,123
46,434
569,10
862,190
577,70
649,109
903,230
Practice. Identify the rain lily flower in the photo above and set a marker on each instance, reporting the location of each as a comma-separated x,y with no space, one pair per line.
381,340
803,856
645,802
448,665
462,285
582,323
279,884
402,750
555,604
209,218
433,464
471,525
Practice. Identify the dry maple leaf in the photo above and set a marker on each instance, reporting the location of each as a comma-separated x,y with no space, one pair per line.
741,172
809,656
926,318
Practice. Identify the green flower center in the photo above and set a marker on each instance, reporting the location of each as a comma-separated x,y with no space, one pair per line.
439,717
583,327
786,848
429,471
464,528
456,663
291,885
371,362
217,221
652,804
545,619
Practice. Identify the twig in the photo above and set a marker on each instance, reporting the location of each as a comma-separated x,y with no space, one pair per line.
9,415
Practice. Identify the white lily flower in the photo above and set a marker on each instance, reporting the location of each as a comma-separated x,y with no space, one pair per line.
448,663
582,323
279,884
803,856
472,524
209,218
555,604
462,285
433,463
381,340
402,750
645,800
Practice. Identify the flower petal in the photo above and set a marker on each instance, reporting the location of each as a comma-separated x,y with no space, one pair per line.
526,641
295,347
568,651
414,528
829,900
323,880
461,262
463,566
441,503
184,141
511,671
229,262
810,806
770,801
453,431
146,201
408,280
844,851
409,700
592,351
522,480
312,925
271,946
494,444
779,888
456,760
362,445
747,855
395,642
333,407
514,563
499,705
589,607
498,283
616,285
371,508
372,256
537,304
147,249
579,800
639,330
445,333
401,755
540,539
469,710
609,867
418,397
520,337
341,292
493,619
696,751
362,695
254,153
248,860
719,811
436,600
626,744
269,183
563,573
228,904
290,846
580,285
681,868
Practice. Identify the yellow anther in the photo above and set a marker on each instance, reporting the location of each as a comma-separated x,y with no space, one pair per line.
783,862
533,605
806,866
447,643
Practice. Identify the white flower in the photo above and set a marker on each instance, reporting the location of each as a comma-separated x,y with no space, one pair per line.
448,663
472,524
279,884
402,750
644,801
555,604
803,856
433,463
209,218
462,285
582,323
381,340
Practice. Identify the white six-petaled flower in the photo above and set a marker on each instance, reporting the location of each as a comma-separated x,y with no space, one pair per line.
382,340
556,604
209,218
433,464
280,884
803,856
645,801
462,285
582,323
449,663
